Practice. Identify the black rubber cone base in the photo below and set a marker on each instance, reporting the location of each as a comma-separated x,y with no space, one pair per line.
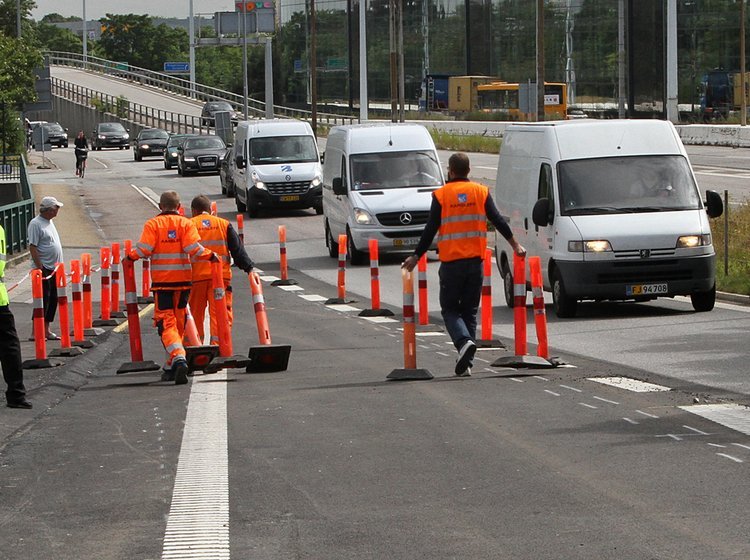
84,343
40,364
106,322
531,362
268,358
339,301
143,300
492,343
66,352
376,313
93,331
230,362
200,357
118,315
132,367
409,375
287,282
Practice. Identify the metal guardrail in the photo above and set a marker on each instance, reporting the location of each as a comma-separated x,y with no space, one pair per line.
15,217
184,88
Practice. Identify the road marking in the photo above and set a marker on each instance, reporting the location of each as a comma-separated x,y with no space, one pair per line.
291,288
516,380
144,194
571,388
552,393
313,297
647,414
735,459
717,445
541,378
342,307
605,400
629,384
630,421
733,416
379,319
269,278
742,446
696,430
198,522
588,405
430,334
124,326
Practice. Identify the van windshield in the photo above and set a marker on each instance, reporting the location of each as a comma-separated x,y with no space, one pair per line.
393,170
617,185
286,149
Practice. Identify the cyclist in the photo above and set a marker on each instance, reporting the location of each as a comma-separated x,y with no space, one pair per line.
81,150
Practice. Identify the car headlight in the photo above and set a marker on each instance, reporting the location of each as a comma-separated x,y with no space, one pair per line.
126,136
188,158
595,246
315,182
102,137
689,241
173,154
257,182
363,217
144,146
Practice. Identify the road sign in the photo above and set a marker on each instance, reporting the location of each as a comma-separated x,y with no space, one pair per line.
177,67
333,63
252,5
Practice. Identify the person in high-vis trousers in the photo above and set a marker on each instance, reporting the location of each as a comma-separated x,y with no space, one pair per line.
10,346
218,235
458,216
171,241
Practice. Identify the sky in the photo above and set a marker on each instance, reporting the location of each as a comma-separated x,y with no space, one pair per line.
96,9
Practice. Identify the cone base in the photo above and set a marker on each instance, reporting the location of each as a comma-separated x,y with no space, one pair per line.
339,301
531,362
40,364
106,323
492,343
376,313
93,331
66,352
118,315
268,358
287,282
131,367
229,362
409,374
84,343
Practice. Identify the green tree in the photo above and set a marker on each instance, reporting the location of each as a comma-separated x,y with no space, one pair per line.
17,62
8,15
53,38
57,18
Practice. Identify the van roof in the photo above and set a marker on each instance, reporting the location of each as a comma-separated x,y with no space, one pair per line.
276,127
589,138
384,137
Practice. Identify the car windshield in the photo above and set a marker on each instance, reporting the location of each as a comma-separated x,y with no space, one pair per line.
176,141
111,127
393,170
153,134
617,185
213,143
286,149
219,106
54,128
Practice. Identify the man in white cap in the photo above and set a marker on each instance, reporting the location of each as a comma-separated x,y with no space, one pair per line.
46,252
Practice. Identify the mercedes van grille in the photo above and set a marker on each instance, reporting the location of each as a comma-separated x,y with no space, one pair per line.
295,187
418,218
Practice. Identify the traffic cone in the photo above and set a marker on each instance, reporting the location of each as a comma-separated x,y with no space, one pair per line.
266,357
137,362
409,372
40,332
66,348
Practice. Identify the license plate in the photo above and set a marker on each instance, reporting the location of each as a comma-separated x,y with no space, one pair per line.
289,198
646,289
207,164
406,242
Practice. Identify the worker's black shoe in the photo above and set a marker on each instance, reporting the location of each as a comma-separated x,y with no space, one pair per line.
180,369
23,403
167,374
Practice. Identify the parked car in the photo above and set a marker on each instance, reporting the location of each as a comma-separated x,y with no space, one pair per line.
150,142
226,169
56,134
200,153
110,135
212,107
170,152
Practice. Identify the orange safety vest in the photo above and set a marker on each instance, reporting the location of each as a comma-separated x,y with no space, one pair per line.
213,233
463,221
170,240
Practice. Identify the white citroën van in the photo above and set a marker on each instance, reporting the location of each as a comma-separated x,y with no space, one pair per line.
611,207
378,181
277,165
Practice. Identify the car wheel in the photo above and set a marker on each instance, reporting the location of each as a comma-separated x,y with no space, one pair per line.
704,301
120,148
241,206
319,209
253,211
564,305
333,247
356,257
507,284
167,165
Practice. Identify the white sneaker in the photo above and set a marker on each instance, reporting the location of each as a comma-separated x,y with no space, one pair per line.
466,373
465,357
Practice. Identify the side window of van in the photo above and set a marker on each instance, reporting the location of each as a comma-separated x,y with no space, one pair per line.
545,188
344,180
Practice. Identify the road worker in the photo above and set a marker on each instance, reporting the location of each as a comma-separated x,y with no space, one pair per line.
171,241
218,235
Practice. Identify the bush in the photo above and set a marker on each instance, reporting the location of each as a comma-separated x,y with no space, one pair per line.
737,277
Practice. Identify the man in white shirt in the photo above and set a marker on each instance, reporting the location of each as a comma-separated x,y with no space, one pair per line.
46,252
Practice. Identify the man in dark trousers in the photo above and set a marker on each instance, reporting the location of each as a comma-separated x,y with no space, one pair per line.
458,216
10,347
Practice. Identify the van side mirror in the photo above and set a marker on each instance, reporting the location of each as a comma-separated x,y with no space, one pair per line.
239,161
541,214
338,186
714,204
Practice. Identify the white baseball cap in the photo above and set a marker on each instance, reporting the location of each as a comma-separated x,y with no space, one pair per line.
49,202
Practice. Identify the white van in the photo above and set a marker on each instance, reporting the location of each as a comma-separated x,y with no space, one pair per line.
613,209
277,165
378,181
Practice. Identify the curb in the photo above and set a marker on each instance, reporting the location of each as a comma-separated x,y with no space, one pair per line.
733,298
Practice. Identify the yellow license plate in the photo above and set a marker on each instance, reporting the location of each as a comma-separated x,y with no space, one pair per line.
289,198
406,242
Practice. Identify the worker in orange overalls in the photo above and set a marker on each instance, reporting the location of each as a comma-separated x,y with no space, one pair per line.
171,241
218,235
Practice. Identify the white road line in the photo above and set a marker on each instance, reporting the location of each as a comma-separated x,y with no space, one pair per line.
198,522
630,421
647,414
742,446
142,192
735,459
588,405
605,400
540,377
552,393
717,445
442,354
481,360
516,380
696,430
571,388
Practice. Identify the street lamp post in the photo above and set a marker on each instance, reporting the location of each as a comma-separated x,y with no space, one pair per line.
85,36
191,46
743,90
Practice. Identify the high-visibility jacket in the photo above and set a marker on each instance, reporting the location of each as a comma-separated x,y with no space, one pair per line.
213,234
4,300
463,220
170,240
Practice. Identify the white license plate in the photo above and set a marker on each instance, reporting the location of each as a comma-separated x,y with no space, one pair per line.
406,242
207,164
646,289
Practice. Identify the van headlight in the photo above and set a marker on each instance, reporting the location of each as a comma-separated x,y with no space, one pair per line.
363,217
315,182
690,241
257,183
594,246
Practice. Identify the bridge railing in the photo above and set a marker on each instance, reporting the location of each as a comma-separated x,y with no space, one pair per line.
15,216
183,87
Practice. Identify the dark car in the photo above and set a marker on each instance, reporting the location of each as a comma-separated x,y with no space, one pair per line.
212,107
150,142
226,171
200,153
56,134
110,135
173,144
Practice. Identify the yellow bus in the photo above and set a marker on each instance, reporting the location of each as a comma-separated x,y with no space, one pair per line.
502,97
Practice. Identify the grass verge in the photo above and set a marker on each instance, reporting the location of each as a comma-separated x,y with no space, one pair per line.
735,277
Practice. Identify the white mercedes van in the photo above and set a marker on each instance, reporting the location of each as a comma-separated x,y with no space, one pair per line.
378,181
277,165
612,208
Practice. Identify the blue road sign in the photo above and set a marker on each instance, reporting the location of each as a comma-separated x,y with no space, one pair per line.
177,67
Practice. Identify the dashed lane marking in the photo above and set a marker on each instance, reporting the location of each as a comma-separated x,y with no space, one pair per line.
648,414
727,456
571,388
552,393
380,319
313,297
198,522
629,384
605,400
292,288
588,405
733,416
342,307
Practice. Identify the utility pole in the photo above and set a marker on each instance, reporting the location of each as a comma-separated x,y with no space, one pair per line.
191,44
85,37
621,94
313,70
671,106
362,62
393,57
401,100
743,106
540,60
245,92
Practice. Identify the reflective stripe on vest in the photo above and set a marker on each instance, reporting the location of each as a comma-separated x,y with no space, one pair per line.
213,232
463,222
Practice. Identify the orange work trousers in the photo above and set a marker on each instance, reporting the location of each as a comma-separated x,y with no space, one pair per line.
169,319
202,296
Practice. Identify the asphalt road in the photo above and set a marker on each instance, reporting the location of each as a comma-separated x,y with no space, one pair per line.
330,460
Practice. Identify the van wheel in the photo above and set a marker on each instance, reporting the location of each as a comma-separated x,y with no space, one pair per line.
508,285
241,207
356,257
333,247
253,211
319,209
564,305
704,301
